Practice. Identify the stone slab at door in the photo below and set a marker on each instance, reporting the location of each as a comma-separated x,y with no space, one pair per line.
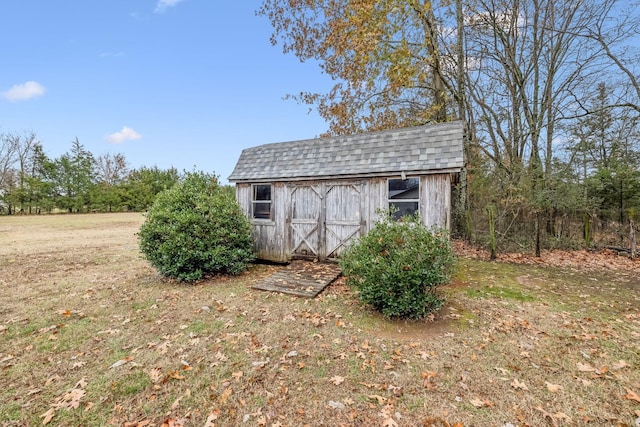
324,219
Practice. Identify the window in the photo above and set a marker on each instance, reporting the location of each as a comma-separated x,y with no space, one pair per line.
404,196
261,201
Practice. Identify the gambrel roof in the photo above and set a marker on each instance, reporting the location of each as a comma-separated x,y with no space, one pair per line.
433,148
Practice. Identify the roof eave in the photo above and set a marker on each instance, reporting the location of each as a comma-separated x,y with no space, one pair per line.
346,176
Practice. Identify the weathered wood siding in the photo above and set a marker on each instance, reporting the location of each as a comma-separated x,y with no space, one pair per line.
321,218
377,188
269,240
435,200
344,205
303,219
324,217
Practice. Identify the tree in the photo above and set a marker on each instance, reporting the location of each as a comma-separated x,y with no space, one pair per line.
7,162
517,72
145,183
74,178
384,56
40,180
606,150
18,148
111,172
528,57
614,30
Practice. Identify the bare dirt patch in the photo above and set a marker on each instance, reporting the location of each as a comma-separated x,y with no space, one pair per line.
91,335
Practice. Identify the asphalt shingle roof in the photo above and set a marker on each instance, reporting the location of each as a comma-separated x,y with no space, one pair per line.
418,149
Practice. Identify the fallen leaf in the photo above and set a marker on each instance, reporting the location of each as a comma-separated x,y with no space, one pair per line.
121,362
502,371
175,375
632,395
553,388
620,364
48,416
156,375
225,395
519,385
176,403
562,416
439,422
211,418
82,383
78,364
585,367
171,422
337,379
381,400
479,403
52,379
389,422
336,405
546,415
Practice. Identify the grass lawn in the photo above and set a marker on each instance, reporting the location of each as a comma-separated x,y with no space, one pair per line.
91,335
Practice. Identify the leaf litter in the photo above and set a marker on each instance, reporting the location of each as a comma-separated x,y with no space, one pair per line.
269,359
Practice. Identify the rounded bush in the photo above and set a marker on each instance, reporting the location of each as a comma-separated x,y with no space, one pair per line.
196,228
397,267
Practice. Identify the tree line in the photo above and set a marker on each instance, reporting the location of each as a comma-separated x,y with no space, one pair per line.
77,181
548,90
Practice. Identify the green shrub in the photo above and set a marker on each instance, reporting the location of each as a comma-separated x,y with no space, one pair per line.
196,228
398,265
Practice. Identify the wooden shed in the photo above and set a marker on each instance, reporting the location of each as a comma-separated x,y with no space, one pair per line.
311,198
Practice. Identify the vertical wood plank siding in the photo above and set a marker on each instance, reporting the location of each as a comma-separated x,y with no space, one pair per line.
344,206
303,219
269,241
323,217
435,200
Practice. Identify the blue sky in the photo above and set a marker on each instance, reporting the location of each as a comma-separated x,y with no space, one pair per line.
184,83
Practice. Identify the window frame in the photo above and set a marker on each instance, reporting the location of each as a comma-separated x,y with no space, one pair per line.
391,201
255,201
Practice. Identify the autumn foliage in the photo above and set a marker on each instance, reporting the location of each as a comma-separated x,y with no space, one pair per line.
196,228
397,267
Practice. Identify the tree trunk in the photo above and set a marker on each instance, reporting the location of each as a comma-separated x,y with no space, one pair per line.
632,236
537,228
587,229
492,232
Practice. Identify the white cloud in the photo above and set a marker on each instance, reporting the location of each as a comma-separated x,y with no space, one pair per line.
163,5
24,91
126,134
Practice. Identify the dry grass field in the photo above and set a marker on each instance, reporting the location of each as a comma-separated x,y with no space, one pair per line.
91,335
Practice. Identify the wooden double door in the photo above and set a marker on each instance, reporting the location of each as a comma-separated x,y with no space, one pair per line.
324,218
